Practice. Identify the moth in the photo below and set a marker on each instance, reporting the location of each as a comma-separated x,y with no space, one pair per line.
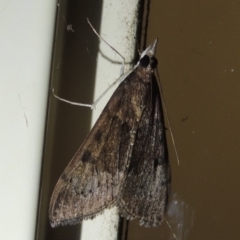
124,159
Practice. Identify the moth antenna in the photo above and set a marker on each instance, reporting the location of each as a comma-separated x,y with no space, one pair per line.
102,39
166,115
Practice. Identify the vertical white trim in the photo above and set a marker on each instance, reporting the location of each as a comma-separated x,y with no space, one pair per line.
25,59
118,28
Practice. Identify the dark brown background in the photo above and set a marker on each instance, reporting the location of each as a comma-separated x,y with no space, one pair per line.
199,60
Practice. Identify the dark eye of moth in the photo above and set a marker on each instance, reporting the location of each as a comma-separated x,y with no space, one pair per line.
144,62
153,62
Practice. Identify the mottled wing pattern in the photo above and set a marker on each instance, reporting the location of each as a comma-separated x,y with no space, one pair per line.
147,185
124,159
94,177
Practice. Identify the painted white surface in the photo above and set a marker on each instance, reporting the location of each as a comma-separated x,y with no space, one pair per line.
118,28
26,29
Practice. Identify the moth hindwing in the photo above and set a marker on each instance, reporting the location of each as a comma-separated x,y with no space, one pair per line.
124,159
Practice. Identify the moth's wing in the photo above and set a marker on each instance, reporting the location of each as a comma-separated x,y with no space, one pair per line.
147,185
94,177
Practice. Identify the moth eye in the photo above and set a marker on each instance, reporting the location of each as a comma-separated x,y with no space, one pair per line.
154,62
144,61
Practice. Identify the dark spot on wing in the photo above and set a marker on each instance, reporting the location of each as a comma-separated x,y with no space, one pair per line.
98,136
125,127
86,156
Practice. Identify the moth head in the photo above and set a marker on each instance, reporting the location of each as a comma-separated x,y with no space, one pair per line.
147,59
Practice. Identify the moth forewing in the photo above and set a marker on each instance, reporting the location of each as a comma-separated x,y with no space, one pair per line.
123,161
146,187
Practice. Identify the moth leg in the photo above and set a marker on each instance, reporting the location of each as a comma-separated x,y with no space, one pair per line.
119,80
118,53
122,74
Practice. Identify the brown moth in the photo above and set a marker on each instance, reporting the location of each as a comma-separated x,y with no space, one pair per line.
124,159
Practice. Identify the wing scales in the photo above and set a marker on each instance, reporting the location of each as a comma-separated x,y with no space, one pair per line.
94,177
146,187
